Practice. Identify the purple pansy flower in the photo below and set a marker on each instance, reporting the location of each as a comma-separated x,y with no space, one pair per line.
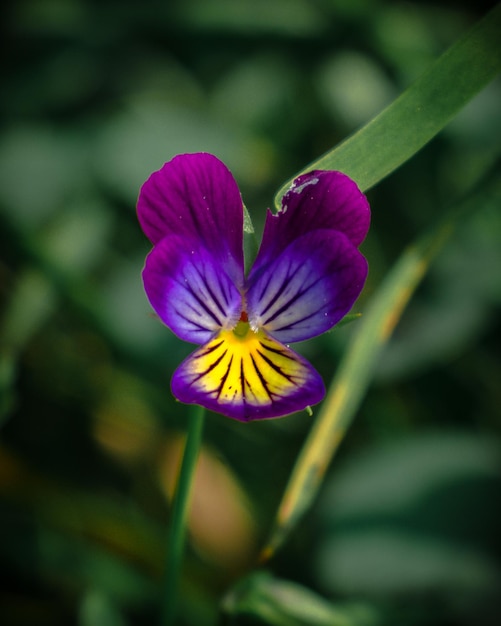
306,276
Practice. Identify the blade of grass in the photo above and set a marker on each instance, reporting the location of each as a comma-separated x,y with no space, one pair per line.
417,115
357,367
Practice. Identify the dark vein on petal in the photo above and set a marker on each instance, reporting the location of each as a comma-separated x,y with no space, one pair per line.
203,284
278,292
192,308
224,378
296,322
212,294
261,377
243,379
276,367
281,352
210,368
209,349
265,287
203,304
190,321
291,301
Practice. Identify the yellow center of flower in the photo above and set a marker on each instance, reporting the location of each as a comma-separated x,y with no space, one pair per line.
246,366
241,329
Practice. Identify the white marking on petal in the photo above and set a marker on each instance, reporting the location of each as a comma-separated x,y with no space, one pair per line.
300,188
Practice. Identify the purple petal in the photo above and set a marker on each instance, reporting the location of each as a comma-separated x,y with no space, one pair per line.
196,196
308,288
189,290
247,376
318,200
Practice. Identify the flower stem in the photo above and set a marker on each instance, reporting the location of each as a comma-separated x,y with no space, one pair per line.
176,539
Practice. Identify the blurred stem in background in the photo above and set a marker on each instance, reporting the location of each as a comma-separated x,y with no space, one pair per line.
176,539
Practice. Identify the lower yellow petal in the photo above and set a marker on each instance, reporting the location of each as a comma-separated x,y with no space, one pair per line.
247,375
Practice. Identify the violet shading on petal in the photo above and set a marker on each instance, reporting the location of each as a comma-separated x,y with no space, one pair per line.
308,288
189,290
196,196
318,200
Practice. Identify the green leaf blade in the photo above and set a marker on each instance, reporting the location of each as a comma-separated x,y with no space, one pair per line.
422,111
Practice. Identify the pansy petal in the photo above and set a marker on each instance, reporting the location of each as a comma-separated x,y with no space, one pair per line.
308,288
318,200
196,196
189,290
247,375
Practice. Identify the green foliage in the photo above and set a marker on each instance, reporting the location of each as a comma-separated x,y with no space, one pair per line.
411,532
421,111
261,599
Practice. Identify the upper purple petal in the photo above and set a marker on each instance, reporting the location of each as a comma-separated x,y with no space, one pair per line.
189,290
317,200
195,196
308,288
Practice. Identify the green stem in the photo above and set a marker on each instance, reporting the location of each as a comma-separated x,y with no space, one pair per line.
175,547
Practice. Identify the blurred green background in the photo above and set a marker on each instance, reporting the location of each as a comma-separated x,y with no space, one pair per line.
95,96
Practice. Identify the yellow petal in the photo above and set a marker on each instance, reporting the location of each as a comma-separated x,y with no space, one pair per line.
247,375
